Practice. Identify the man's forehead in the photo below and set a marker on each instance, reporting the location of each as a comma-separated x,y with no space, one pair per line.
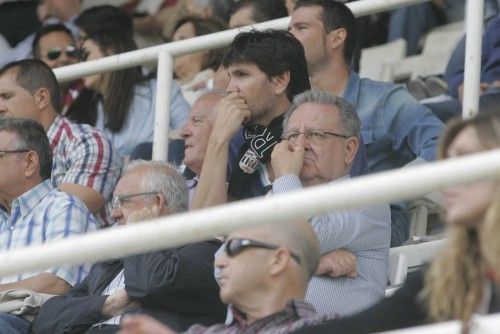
59,36
243,66
309,112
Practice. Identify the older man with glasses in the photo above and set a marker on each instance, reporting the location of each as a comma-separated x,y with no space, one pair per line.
320,140
174,285
33,212
264,275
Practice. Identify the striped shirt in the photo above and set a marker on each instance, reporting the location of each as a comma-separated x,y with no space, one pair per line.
364,231
83,155
295,315
41,215
117,284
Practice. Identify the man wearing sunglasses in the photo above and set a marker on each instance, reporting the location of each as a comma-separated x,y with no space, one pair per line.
264,275
33,212
320,139
55,46
175,285
85,163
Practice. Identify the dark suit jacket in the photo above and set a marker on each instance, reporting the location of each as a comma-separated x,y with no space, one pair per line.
176,286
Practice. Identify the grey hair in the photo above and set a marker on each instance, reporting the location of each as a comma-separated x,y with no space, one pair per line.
163,177
349,118
32,136
220,93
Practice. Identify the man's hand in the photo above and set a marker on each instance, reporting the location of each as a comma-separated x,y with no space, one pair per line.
143,214
338,263
231,112
143,324
287,158
117,304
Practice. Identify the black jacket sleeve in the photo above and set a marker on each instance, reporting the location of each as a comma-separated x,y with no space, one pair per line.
178,280
73,312
402,309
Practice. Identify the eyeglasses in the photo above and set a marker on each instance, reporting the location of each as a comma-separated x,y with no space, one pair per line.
2,153
234,246
313,136
70,50
122,200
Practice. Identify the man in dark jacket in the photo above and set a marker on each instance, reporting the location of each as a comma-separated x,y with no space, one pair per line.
175,285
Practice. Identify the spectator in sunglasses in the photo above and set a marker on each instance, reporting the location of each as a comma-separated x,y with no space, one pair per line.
264,275
55,46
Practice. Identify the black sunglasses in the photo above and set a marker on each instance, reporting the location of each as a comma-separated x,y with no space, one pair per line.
234,246
70,50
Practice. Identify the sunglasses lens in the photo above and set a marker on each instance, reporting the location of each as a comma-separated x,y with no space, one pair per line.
71,51
233,247
53,54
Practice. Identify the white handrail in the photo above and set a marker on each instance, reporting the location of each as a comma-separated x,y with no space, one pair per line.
162,108
206,42
472,69
202,224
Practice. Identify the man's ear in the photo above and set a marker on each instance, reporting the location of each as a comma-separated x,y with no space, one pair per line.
281,82
336,39
279,261
31,164
350,149
162,204
42,98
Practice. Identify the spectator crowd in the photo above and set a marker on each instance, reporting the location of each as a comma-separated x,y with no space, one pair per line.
272,113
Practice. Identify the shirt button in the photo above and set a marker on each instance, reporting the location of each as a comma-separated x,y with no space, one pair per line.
11,227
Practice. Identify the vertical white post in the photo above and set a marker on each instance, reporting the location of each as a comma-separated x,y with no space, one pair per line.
162,108
473,46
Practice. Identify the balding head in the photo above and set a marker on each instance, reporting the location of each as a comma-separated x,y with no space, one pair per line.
198,128
272,264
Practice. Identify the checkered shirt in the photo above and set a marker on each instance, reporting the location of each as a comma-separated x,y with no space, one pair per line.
84,155
41,215
295,315
365,232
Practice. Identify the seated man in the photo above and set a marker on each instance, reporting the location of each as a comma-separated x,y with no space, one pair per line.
85,163
32,212
176,285
264,275
320,141
195,134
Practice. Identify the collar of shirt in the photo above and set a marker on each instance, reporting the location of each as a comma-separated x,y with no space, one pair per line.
52,131
31,198
352,89
294,310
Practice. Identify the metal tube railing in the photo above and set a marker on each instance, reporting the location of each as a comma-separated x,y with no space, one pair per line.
162,108
202,43
473,45
198,225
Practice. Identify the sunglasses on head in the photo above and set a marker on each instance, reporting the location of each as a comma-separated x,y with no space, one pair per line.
234,246
70,50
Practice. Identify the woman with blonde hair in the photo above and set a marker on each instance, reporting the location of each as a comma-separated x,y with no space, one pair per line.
464,278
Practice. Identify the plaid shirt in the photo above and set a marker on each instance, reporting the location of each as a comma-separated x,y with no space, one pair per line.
83,155
40,215
295,315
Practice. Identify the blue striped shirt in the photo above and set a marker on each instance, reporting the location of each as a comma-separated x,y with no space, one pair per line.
41,215
364,231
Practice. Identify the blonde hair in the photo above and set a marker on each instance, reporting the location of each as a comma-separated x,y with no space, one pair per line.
453,287
490,236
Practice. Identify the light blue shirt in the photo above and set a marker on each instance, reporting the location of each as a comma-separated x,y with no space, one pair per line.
365,232
40,215
395,127
139,124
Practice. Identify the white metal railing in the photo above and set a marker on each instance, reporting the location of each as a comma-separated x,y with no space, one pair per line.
480,324
203,224
472,70
202,43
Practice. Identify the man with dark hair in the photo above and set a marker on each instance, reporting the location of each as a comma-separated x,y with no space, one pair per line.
55,46
266,69
247,12
396,128
32,212
85,164
175,285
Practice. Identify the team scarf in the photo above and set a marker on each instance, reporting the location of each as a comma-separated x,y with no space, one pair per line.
255,151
